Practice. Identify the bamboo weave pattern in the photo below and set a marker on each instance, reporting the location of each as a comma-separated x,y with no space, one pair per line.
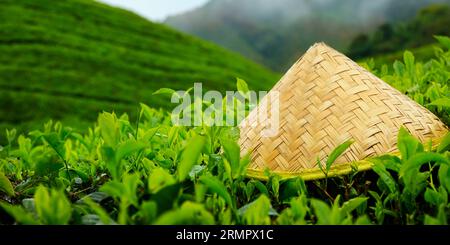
326,99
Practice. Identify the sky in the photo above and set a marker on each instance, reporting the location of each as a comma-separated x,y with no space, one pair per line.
156,10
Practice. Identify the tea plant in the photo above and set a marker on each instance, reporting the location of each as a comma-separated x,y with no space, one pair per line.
152,172
425,82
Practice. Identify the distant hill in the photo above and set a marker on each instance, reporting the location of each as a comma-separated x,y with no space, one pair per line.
69,59
389,40
275,33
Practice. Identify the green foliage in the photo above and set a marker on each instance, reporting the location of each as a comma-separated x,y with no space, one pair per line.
390,40
152,172
190,156
338,151
336,214
63,60
5,185
188,214
443,102
425,82
242,86
411,183
172,175
52,206
49,207
257,212
19,214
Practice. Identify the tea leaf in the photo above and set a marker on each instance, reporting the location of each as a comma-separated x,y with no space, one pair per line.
322,211
158,179
408,58
261,187
19,214
188,214
336,153
420,159
109,128
444,41
218,187
444,102
47,202
257,212
232,153
444,176
242,87
149,211
5,185
190,155
166,197
386,177
127,148
445,144
407,144
352,204
164,91
57,144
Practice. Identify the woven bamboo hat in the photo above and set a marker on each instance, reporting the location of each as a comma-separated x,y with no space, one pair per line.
326,99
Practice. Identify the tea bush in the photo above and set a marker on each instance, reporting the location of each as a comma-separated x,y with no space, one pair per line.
151,172
61,55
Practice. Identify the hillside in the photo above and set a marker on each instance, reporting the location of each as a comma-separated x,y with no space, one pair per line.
391,39
69,59
425,52
275,33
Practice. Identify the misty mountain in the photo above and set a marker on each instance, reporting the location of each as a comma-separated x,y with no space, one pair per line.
275,33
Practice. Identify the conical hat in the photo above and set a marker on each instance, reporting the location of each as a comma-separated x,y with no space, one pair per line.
326,99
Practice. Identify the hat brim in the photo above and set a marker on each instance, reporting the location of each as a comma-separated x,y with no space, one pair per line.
315,173
337,170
